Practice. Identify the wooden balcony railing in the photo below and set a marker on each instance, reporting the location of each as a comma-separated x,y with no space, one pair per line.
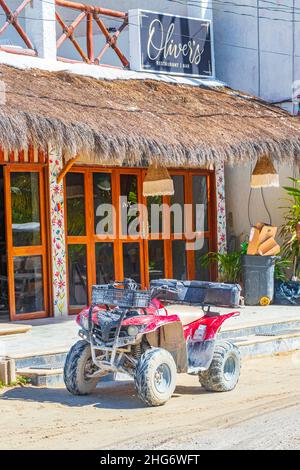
91,15
12,20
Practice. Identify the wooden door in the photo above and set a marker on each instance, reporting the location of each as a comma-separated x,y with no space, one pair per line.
26,239
102,247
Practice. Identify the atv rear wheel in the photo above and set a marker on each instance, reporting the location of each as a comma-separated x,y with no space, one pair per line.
78,366
224,371
155,376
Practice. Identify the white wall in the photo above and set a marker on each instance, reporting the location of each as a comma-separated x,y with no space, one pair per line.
237,190
255,51
256,47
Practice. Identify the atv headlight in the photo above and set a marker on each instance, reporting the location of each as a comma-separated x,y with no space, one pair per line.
132,330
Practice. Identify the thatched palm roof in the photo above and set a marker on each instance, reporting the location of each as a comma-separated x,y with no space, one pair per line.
137,121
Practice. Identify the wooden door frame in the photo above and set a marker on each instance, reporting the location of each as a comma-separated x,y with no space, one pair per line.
90,238
38,250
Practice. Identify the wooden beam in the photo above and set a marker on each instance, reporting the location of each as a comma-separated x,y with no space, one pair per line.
90,8
66,168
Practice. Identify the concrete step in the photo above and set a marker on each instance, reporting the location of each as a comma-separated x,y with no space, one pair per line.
13,329
258,328
42,377
267,345
48,377
53,360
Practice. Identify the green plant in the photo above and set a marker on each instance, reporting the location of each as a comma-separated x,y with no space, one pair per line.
291,247
229,265
20,381
244,248
281,267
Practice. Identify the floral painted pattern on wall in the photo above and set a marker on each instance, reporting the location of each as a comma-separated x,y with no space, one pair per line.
221,212
59,270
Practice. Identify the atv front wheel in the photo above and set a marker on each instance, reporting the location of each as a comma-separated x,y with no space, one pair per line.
78,366
224,371
155,376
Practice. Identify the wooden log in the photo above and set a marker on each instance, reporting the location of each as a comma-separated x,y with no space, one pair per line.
90,8
3,372
89,37
11,371
65,169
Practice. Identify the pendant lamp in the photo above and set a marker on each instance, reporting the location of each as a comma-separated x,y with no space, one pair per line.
264,174
158,182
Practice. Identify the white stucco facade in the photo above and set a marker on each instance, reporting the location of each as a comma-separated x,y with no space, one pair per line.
257,50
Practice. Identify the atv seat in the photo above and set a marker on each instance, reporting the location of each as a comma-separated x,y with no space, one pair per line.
186,313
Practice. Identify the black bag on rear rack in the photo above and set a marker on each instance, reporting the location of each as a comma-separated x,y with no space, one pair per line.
199,292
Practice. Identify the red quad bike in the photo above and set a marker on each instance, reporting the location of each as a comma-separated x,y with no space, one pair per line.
131,331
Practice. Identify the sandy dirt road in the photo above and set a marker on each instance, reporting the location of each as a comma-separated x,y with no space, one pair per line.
262,412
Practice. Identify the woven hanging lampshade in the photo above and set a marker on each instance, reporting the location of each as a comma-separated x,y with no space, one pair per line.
158,182
264,174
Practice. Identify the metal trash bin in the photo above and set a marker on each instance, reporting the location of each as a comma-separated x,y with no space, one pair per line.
258,279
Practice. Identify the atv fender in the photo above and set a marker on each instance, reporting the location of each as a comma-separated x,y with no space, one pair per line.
200,353
170,337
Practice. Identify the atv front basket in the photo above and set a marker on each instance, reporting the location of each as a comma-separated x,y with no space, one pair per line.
126,298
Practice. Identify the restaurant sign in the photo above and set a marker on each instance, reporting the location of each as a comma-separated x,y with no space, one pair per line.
170,44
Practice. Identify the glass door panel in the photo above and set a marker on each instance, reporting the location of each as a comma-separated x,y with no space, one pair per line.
28,280
156,264
155,214
76,224
131,261
200,215
177,201
129,197
179,260
26,242
202,273
77,267
104,253
25,209
102,195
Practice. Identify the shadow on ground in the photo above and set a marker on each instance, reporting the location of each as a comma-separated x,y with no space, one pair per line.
110,396
117,395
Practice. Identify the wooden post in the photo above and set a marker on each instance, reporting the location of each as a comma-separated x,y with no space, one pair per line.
65,169
11,371
92,9
3,372
89,37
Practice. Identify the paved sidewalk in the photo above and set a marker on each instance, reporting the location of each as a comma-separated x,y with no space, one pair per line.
57,335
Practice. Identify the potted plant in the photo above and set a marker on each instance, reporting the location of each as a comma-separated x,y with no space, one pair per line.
229,265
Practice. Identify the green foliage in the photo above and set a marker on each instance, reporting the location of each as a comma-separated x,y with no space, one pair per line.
291,247
229,265
244,248
281,267
19,382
